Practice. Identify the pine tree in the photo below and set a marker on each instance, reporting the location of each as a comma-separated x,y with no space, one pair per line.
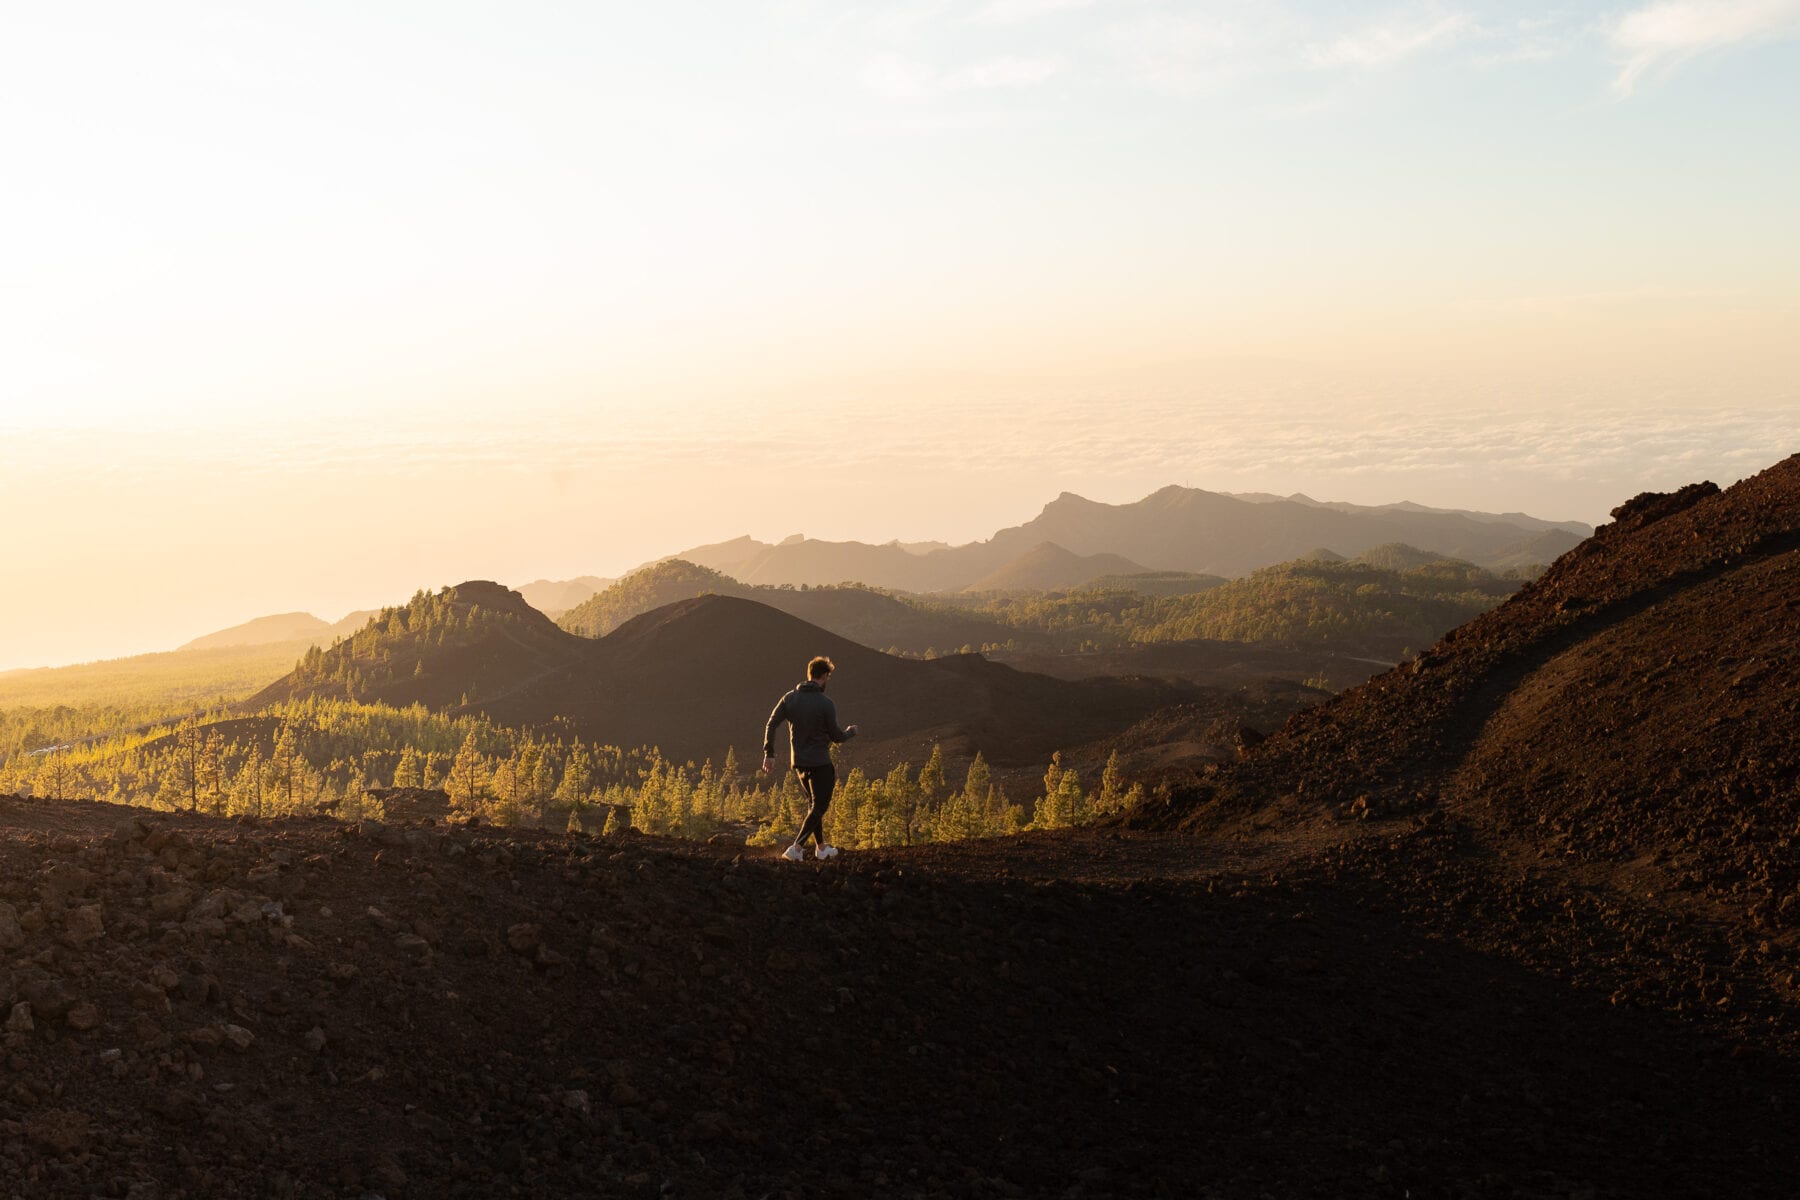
1111,797
577,778
409,773
468,779
286,766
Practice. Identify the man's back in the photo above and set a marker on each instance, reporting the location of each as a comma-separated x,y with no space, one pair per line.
813,724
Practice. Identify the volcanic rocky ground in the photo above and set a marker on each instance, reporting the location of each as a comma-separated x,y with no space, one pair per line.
308,1009
1517,920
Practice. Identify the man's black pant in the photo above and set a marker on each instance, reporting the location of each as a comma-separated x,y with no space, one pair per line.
817,783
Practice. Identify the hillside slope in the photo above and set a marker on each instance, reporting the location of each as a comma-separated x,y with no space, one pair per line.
701,675
1634,709
1047,567
858,613
468,643
698,678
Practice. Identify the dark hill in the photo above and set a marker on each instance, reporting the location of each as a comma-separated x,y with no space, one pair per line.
860,614
1637,709
701,675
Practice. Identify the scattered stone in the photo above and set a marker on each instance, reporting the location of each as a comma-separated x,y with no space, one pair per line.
64,881
83,925
19,1019
11,935
412,945
239,1038
83,1017
522,938
59,1131
49,999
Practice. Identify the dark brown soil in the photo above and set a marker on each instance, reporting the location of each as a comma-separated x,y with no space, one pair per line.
429,1011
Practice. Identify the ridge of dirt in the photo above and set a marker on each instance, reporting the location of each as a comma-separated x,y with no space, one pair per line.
1636,701
309,1009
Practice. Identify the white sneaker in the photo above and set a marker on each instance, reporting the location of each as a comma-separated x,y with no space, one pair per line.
794,854
825,851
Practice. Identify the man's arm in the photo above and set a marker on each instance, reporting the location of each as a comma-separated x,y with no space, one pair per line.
775,718
833,730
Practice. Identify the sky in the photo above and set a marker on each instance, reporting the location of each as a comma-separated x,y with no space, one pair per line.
308,306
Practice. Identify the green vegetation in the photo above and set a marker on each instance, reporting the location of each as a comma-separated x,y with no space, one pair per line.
1304,601
646,589
328,755
1155,583
1390,595
396,642
179,680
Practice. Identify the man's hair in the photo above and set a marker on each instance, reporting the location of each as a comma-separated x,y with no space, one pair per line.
818,668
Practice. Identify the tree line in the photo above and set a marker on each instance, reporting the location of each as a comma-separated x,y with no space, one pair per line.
334,756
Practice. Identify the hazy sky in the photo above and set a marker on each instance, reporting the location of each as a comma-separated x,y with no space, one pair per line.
304,307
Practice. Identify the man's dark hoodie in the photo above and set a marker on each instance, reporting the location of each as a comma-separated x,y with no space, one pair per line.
815,725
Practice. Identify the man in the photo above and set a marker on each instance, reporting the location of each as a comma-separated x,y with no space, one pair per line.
812,730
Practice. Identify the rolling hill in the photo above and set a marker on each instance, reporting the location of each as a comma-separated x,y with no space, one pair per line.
1047,567
857,613
299,627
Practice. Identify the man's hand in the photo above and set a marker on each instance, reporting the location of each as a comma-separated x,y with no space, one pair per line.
768,763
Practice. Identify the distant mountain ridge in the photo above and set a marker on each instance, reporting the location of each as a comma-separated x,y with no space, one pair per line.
1172,529
283,627
554,596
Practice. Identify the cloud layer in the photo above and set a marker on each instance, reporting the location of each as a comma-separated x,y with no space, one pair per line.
1187,49
1657,38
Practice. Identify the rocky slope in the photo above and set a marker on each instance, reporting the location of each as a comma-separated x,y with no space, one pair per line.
1637,701
198,1009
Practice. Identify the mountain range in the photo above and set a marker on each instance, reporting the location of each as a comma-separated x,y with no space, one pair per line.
1174,529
